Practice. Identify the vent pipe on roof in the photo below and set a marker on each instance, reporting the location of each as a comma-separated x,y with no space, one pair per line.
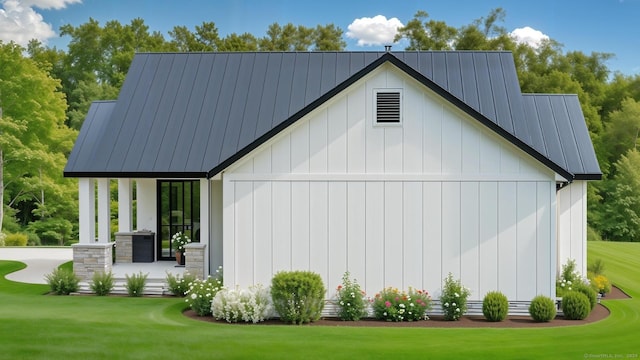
387,48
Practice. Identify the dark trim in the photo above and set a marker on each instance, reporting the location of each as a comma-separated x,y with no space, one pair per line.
420,78
297,116
134,174
588,177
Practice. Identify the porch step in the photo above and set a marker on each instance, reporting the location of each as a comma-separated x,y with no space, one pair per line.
153,287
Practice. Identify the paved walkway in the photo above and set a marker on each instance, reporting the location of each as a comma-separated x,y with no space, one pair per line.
40,261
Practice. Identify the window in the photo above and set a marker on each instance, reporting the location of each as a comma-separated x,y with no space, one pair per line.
387,106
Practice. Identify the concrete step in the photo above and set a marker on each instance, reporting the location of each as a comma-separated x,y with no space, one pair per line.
152,287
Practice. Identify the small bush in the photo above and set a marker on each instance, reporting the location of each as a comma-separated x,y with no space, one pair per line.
201,293
575,305
600,284
179,285
589,293
248,305
351,302
542,309
33,239
596,267
453,299
102,283
495,306
135,284
63,281
2,236
16,239
298,296
393,305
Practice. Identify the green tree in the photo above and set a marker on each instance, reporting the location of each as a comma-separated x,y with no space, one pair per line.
427,34
622,205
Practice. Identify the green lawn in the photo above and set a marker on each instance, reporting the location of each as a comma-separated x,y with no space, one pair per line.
33,326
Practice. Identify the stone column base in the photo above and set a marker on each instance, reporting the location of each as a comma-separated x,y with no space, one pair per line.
194,263
91,258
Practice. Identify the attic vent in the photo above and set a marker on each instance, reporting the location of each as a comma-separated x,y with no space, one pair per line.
388,107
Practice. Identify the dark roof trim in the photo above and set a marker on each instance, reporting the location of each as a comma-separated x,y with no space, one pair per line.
297,116
141,175
423,80
588,177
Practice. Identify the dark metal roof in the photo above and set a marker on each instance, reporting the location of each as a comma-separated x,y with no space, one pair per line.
194,114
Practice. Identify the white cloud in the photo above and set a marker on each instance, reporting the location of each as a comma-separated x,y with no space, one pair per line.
529,36
19,22
377,30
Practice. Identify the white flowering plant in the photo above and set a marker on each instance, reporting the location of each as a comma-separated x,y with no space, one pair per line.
454,299
391,304
248,305
179,240
569,279
351,300
201,293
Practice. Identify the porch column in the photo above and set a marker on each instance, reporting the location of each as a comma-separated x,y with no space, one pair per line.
104,211
87,210
147,200
125,200
205,211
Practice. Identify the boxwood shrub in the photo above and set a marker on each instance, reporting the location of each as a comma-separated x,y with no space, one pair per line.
575,305
495,306
589,293
542,309
298,296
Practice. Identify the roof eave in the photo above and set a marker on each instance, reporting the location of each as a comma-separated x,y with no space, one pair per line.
135,174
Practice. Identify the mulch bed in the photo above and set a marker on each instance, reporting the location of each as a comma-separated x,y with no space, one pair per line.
599,312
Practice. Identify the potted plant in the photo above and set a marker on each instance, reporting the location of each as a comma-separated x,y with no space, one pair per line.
178,241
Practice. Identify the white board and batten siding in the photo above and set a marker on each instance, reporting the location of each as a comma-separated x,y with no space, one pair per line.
394,205
572,225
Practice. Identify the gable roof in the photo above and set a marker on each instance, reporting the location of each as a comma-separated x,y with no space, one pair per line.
182,115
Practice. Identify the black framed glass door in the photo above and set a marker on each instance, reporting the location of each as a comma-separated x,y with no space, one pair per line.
178,211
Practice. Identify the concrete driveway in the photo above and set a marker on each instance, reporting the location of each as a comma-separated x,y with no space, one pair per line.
40,261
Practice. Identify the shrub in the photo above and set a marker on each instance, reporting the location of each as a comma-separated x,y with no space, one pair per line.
298,296
589,293
575,305
393,305
179,285
63,281
201,293
596,267
600,284
351,302
15,239
453,299
542,309
135,284
2,236
568,279
102,283
33,239
252,304
495,306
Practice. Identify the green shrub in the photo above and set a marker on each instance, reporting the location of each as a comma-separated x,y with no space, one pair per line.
298,296
591,294
135,284
62,281
542,309
351,302
15,239
33,239
575,305
102,283
201,293
179,285
495,306
596,267
453,299
2,236
393,305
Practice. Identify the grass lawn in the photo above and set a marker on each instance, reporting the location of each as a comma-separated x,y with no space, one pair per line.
33,326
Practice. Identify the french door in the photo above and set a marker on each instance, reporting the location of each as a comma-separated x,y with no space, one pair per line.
178,211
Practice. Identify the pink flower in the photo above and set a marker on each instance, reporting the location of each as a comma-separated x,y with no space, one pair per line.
387,303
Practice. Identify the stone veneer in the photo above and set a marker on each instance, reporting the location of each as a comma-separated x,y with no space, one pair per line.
124,245
91,258
194,259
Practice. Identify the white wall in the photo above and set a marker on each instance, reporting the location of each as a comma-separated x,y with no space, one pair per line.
572,225
396,206
147,198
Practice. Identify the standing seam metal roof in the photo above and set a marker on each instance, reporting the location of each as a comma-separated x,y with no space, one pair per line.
194,114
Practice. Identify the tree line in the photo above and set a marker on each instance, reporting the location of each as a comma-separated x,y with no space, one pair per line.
45,93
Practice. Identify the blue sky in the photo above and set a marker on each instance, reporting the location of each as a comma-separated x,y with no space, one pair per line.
586,25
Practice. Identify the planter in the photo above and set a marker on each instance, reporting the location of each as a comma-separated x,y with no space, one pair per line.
180,257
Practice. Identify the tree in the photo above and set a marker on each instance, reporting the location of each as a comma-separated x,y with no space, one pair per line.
34,142
427,34
622,208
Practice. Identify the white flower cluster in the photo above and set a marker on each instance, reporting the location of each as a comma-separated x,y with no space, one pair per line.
249,305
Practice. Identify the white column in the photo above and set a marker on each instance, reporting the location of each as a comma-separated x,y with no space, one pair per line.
104,211
146,210
87,210
205,208
125,200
